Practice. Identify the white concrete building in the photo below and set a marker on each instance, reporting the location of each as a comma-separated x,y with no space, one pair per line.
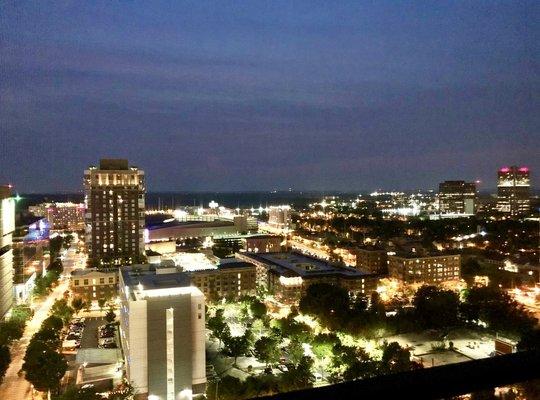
7,226
162,331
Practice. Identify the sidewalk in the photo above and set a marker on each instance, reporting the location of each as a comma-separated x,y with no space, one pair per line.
15,386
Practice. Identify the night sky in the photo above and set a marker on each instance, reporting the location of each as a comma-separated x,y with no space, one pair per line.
248,95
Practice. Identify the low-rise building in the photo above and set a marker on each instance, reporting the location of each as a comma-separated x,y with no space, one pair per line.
430,269
372,259
93,284
228,281
289,274
262,243
162,331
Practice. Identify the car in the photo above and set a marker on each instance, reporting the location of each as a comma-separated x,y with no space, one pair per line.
75,328
108,346
108,327
72,336
107,340
104,335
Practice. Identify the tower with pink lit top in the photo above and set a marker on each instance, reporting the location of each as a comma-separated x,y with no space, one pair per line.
513,190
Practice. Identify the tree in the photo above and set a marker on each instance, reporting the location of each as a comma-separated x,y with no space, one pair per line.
289,327
396,359
227,388
323,345
48,336
266,350
261,385
218,327
56,266
5,360
436,308
62,310
258,308
471,267
10,330
41,287
297,377
295,350
110,316
21,312
328,302
236,346
53,323
101,303
43,367
530,340
497,309
77,304
376,305
360,304
55,245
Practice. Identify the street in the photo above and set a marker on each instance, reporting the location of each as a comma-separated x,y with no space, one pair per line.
15,386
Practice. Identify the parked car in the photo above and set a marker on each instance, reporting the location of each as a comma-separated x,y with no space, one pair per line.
106,334
73,336
106,340
70,345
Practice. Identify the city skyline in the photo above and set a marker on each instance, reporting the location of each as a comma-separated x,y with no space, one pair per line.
258,97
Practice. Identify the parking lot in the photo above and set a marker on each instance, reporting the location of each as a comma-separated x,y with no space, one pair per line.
89,338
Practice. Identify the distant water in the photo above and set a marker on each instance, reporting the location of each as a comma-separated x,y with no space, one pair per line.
176,199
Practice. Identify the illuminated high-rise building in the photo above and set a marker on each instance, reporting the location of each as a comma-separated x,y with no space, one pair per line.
279,216
68,216
457,197
513,190
115,205
7,226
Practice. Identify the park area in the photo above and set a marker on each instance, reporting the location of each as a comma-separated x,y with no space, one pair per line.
256,346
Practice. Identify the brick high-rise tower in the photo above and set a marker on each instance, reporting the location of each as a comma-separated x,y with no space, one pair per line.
115,205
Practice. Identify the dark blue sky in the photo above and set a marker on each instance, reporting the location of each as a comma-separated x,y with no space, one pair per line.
249,95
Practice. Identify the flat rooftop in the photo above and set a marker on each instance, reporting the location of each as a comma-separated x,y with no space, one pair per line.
295,263
156,225
150,277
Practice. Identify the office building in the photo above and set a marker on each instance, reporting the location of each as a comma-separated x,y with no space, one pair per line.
457,197
289,274
92,284
513,190
162,331
279,217
413,268
115,204
7,226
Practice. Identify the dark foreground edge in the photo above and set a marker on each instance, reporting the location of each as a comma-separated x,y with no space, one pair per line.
431,383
